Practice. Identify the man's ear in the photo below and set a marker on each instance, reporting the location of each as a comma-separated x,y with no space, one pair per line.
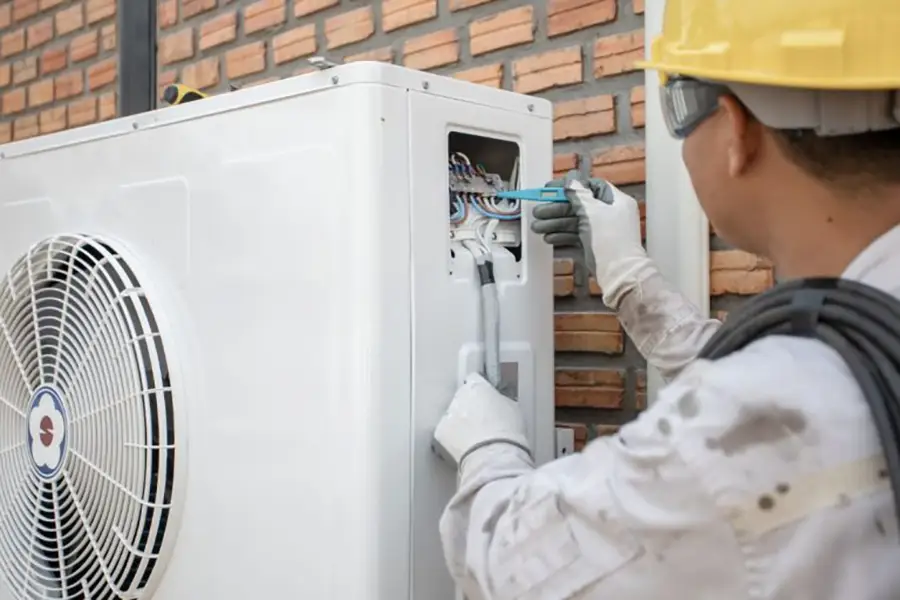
742,132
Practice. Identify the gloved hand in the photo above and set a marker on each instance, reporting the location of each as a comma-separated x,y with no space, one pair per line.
607,227
479,415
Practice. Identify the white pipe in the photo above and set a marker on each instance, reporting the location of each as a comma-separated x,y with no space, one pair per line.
677,229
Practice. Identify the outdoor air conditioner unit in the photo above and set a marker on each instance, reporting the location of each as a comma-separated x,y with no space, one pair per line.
229,329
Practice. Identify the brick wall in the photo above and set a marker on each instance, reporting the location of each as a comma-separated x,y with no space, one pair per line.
577,53
57,65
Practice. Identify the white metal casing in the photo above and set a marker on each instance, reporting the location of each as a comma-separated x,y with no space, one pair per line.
677,228
293,240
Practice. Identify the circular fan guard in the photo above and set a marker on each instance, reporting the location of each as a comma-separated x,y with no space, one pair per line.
87,438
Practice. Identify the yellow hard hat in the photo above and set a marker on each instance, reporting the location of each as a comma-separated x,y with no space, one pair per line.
812,44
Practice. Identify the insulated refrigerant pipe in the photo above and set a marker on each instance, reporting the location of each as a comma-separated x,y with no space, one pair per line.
861,323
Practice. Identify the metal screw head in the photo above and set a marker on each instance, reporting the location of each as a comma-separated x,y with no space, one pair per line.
335,80
425,85
531,108
494,236
134,125
452,235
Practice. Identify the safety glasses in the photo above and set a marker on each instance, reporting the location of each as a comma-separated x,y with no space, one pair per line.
687,102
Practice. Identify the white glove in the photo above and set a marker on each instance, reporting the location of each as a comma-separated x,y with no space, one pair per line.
479,415
605,223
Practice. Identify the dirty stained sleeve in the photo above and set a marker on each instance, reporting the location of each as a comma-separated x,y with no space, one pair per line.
668,329
594,522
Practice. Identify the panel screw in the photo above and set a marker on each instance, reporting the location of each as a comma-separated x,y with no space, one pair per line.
452,235
424,85
494,236
531,108
134,125
335,80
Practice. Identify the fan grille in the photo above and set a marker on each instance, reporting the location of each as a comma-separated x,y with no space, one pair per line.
87,444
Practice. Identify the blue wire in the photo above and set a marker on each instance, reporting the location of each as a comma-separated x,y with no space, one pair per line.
489,215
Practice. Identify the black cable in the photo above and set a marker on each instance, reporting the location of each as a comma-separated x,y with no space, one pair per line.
859,322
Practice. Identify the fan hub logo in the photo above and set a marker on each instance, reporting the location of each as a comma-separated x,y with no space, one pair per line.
48,434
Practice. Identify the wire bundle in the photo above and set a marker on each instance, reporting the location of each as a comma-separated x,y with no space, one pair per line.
473,190
859,322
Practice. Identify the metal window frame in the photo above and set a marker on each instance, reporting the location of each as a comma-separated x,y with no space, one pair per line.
137,56
677,228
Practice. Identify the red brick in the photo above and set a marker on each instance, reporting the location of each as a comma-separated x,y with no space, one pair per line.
5,132
264,14
489,75
743,283
638,6
349,28
294,44
102,73
167,13
563,163
463,4
70,19
25,127
739,272
23,9
14,101
432,50
99,10
540,72
192,8
39,33
5,74
165,79
69,84
403,13
303,8
24,70
218,30
638,110
617,53
593,288
52,120
202,74
40,93
583,118
245,60
176,47
588,332
566,16
5,15
379,55
502,30
640,390
84,46
722,260
12,43
48,4
563,286
589,388
620,164
563,266
108,37
107,106
83,111
53,60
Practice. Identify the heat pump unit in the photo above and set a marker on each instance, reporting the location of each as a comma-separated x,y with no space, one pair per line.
229,329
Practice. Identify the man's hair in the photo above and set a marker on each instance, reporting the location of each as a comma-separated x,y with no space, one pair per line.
864,160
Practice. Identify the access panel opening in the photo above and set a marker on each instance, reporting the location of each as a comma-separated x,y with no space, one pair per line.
480,167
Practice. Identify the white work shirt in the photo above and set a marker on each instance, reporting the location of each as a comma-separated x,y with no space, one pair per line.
755,476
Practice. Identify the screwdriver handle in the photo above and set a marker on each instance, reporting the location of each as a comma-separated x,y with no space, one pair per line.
178,93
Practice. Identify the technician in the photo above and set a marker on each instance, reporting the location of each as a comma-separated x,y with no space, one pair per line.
759,475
